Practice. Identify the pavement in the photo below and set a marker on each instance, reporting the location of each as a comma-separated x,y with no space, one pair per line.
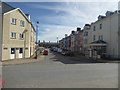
99,60
22,61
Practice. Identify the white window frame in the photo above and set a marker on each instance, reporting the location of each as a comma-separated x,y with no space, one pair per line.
22,23
94,28
14,21
100,26
13,35
21,36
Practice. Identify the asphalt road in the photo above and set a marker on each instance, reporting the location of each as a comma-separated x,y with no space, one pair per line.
57,71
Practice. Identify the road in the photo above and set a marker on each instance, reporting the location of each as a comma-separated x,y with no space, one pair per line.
57,71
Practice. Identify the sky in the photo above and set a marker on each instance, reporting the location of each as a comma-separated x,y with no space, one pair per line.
59,18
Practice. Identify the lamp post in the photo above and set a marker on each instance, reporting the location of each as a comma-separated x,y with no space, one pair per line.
24,40
36,37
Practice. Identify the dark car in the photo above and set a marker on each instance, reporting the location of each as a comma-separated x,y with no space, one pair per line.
67,53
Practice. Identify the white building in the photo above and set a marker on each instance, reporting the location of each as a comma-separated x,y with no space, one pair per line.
105,36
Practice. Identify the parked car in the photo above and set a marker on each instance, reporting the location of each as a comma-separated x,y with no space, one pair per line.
67,53
59,50
63,53
45,52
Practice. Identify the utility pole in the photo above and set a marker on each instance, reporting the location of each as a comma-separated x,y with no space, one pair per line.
36,38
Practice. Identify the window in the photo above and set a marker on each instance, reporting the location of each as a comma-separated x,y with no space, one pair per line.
85,33
21,36
14,21
13,35
100,26
21,50
12,50
94,28
100,37
22,23
94,38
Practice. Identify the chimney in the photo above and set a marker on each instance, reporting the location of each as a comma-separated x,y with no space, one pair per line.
73,32
87,26
100,17
78,29
65,35
109,13
28,16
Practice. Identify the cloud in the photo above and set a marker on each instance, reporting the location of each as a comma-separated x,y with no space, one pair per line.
54,31
76,13
69,16
60,0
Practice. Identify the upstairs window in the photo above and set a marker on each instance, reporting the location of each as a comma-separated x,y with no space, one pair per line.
94,38
85,33
22,23
94,28
21,36
100,26
13,35
14,21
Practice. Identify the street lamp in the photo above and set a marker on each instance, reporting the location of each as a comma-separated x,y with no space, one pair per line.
36,37
57,39
24,40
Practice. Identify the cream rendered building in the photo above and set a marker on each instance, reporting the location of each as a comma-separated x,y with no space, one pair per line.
18,35
105,36
86,38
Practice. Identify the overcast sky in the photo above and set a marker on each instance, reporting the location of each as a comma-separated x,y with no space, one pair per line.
60,18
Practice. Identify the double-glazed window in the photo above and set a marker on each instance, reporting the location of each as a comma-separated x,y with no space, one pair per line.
21,36
22,23
94,28
85,33
94,37
12,50
13,35
14,21
100,37
100,26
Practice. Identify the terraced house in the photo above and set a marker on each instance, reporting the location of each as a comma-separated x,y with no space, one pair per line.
18,34
105,36
101,38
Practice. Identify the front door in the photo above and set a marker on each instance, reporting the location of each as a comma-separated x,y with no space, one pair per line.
12,55
21,53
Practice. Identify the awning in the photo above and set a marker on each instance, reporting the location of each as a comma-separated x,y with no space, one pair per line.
98,43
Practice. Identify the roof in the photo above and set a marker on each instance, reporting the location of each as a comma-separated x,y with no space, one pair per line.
104,17
99,42
20,12
6,7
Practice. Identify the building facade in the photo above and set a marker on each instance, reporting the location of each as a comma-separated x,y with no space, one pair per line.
18,35
86,38
105,34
